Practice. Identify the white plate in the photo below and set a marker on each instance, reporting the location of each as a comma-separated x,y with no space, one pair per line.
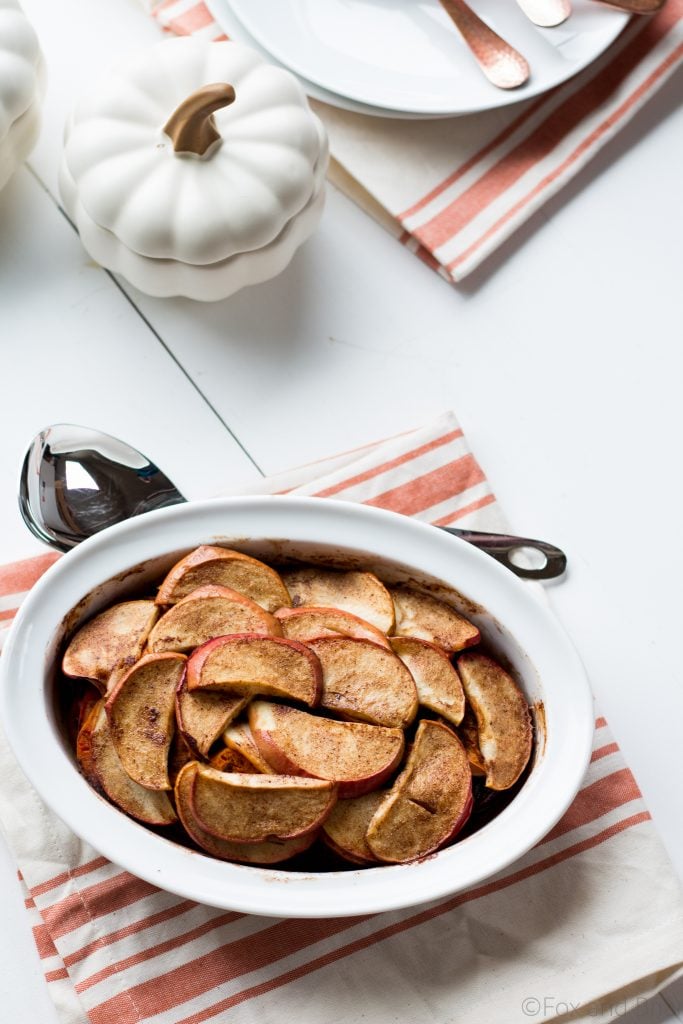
406,55
235,30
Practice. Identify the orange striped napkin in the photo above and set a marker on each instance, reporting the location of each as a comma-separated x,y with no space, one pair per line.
453,191
590,919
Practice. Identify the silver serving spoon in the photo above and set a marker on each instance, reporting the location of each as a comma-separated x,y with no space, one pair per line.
75,482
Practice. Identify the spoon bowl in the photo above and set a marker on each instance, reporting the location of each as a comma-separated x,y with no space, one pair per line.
546,13
500,62
76,481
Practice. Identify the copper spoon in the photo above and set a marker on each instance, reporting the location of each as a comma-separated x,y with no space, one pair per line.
637,6
546,13
500,62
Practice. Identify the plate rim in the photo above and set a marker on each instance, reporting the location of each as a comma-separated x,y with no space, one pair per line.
218,9
498,98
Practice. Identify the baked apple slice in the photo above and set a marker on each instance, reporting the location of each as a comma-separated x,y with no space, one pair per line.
208,612
259,808
364,682
248,664
346,828
359,593
180,754
102,768
223,567
239,739
84,741
245,853
359,757
429,802
141,713
202,717
308,623
503,718
229,760
80,705
114,639
469,737
436,680
427,618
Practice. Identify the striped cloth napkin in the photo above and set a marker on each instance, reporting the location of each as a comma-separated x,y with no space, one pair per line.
586,925
453,191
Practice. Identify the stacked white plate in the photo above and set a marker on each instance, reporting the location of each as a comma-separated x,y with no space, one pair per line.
405,58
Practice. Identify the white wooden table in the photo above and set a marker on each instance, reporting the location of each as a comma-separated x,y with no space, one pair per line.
562,358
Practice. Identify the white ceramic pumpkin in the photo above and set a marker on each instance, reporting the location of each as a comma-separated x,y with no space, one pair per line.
194,168
22,76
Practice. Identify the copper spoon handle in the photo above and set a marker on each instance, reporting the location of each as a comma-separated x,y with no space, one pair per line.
637,6
500,62
546,13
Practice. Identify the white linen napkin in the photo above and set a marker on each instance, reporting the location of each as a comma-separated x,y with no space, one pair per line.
585,926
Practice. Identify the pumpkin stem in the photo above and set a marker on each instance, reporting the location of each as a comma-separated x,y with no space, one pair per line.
191,126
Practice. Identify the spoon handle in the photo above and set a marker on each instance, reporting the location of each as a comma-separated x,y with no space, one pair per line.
637,6
546,13
504,66
501,546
